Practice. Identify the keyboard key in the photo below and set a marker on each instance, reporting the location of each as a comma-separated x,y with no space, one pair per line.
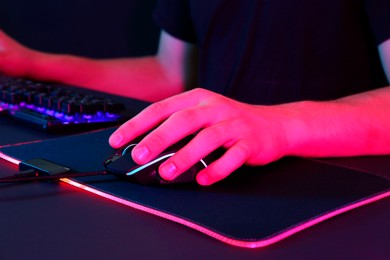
51,106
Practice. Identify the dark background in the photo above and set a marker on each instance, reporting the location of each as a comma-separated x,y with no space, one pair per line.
92,28
45,221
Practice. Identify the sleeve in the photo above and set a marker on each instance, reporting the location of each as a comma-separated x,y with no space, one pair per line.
379,15
174,17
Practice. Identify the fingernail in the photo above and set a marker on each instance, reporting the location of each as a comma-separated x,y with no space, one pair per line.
168,171
116,139
141,153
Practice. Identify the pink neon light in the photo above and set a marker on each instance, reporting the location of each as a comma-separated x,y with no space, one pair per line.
21,143
234,242
9,158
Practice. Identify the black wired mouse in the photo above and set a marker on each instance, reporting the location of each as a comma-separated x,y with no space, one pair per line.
122,165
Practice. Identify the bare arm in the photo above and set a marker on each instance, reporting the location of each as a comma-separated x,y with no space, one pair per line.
353,125
256,135
149,78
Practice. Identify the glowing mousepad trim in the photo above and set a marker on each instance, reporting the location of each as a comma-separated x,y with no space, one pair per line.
254,207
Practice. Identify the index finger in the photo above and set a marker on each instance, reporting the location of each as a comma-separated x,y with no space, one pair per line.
154,115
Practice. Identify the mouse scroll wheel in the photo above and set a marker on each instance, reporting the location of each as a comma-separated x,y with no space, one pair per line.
128,149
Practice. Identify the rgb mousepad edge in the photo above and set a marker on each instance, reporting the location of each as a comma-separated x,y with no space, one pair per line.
254,207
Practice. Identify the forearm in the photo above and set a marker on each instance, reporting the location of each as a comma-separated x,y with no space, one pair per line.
350,126
142,78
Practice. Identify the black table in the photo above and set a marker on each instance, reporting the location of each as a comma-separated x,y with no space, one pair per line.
58,221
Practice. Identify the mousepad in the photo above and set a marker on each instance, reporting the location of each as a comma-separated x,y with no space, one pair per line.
254,207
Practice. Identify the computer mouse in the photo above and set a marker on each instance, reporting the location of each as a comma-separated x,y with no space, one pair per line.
121,164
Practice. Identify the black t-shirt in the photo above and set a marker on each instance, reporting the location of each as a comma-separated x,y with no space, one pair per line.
276,51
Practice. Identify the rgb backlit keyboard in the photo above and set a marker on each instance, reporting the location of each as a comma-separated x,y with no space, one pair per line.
55,107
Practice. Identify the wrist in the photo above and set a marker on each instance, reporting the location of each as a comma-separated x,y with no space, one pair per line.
319,129
51,67
298,126
30,66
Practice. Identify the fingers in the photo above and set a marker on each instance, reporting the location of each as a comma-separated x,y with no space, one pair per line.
174,129
154,115
216,120
233,158
204,143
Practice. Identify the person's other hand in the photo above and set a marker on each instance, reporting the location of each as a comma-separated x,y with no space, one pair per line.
14,57
253,135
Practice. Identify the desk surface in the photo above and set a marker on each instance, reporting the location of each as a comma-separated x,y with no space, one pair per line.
58,221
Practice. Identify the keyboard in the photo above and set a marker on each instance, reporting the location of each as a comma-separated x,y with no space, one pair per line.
55,107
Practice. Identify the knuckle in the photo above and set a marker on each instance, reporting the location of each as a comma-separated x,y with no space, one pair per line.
213,135
157,108
200,93
156,141
184,117
198,90
128,125
241,152
183,161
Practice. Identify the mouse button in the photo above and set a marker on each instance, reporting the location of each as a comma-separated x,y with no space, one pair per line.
122,165
152,165
189,176
148,175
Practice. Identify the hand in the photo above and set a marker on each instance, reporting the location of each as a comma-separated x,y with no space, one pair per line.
14,57
252,135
